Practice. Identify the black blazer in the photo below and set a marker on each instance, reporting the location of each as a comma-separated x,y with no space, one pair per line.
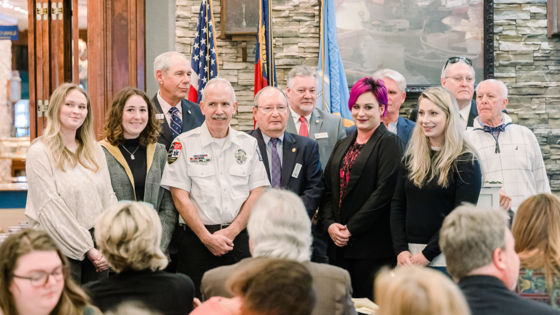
366,205
472,115
192,118
304,151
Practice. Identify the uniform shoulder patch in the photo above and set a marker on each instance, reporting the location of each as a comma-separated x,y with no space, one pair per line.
174,151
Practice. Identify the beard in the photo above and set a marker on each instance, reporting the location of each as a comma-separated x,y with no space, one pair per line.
307,107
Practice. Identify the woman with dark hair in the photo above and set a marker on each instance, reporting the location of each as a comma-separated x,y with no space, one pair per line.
360,178
135,159
35,278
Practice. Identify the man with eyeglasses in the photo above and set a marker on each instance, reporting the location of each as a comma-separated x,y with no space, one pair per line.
292,161
458,77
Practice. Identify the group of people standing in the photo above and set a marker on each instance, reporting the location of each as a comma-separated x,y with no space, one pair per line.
376,194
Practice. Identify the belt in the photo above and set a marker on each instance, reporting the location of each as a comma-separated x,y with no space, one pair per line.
210,228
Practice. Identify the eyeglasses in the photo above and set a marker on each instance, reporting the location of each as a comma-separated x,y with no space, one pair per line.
269,109
41,278
453,60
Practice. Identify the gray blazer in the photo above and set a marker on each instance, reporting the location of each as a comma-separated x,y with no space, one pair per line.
123,184
322,122
333,288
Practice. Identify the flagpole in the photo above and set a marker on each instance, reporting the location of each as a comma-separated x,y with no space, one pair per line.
322,30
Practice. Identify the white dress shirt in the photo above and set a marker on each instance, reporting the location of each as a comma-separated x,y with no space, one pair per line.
393,126
165,107
279,148
296,117
221,182
465,112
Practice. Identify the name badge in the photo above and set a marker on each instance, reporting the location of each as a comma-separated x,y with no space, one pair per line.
297,168
321,135
160,117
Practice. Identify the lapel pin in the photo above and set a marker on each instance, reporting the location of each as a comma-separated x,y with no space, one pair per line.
317,121
188,111
294,150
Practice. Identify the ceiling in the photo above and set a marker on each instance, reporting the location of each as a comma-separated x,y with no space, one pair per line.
14,12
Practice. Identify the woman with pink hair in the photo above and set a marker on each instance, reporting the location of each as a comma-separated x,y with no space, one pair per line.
360,178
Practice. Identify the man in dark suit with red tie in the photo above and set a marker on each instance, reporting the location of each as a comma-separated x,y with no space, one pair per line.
177,115
292,162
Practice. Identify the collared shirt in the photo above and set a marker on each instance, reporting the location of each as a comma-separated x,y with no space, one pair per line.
393,126
465,112
279,147
218,178
296,117
165,107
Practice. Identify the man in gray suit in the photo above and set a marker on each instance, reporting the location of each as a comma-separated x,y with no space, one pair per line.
307,120
279,227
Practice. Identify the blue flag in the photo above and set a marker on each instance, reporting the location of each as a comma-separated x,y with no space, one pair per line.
204,60
332,89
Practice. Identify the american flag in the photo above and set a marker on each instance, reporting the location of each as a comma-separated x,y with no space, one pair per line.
204,60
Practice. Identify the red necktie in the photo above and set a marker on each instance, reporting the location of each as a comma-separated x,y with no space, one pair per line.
303,127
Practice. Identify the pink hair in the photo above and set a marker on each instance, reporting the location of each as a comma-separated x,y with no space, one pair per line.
368,84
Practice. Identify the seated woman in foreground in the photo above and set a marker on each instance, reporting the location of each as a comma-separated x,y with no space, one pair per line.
35,278
129,236
536,230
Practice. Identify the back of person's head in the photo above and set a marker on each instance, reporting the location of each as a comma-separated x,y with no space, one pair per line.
279,227
129,235
469,237
270,286
536,230
72,299
412,290
132,308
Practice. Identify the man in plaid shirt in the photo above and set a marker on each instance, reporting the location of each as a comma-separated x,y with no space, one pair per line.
509,153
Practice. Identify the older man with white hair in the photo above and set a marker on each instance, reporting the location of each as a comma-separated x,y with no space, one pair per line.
480,253
509,153
215,176
176,114
279,227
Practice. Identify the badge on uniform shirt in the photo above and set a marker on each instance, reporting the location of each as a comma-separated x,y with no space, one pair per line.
174,152
240,156
160,117
200,159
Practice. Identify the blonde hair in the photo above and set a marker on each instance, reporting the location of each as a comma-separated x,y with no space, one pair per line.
418,157
412,290
537,227
129,236
87,154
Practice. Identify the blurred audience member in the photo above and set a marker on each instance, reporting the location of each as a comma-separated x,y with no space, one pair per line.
135,159
480,253
69,183
412,290
35,278
265,286
439,171
536,230
360,179
279,228
129,235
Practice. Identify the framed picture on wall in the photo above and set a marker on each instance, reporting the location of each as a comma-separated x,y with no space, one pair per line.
414,37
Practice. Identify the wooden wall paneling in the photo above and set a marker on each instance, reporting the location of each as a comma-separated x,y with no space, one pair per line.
132,42
39,68
120,46
54,41
32,66
75,44
67,40
141,45
47,57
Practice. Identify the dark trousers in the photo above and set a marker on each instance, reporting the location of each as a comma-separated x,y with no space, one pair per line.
319,246
362,272
194,259
84,271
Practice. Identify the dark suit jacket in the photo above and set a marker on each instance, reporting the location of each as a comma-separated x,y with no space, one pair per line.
487,295
404,129
332,285
192,118
366,205
472,115
305,151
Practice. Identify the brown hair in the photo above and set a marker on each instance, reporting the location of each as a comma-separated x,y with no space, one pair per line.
273,286
536,227
113,129
72,300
